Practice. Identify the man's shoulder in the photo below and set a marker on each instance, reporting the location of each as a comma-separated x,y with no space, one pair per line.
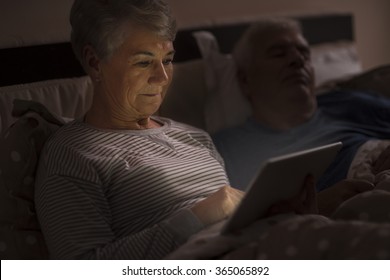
235,131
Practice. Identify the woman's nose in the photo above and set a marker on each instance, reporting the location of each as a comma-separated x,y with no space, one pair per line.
159,75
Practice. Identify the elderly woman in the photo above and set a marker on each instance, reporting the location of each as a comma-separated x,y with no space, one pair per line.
122,183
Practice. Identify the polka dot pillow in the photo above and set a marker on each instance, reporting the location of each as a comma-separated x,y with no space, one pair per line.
20,145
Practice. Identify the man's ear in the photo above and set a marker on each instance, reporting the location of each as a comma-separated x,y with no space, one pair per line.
242,77
242,81
92,62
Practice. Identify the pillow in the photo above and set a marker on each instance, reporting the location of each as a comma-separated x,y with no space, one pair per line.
20,146
334,61
225,104
64,97
186,96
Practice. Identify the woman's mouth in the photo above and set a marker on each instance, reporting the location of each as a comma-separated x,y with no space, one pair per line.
150,94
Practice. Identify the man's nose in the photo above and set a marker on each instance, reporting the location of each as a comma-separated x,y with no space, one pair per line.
297,59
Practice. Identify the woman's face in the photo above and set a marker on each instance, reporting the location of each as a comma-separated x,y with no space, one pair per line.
134,80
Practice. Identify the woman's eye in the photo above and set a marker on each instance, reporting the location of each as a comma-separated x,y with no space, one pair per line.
167,61
143,63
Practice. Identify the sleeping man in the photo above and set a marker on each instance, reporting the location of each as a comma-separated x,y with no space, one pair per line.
276,76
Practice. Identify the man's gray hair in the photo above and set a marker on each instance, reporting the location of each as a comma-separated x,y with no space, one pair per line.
253,36
102,23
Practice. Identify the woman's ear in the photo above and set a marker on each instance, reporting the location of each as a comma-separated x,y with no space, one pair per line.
92,62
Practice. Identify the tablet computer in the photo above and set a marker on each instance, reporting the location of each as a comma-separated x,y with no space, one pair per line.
280,178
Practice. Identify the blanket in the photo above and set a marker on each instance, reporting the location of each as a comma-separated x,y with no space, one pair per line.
358,229
294,237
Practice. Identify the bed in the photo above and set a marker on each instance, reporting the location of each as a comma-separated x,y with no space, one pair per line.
50,75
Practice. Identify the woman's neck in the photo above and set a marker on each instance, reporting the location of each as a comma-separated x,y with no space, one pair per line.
102,117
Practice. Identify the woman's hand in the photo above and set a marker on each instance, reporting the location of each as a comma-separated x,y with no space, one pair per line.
305,202
218,206
330,198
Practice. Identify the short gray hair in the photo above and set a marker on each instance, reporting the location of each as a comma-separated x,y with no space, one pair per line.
100,23
246,45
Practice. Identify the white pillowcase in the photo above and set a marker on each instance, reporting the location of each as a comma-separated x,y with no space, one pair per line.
334,61
186,96
226,106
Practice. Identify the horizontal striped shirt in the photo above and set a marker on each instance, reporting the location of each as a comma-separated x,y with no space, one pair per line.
123,194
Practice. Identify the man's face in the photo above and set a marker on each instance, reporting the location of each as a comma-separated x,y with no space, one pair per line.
281,75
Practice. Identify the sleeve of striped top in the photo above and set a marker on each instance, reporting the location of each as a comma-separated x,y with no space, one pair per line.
76,225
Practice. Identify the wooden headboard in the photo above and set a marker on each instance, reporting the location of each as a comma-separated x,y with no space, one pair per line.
54,61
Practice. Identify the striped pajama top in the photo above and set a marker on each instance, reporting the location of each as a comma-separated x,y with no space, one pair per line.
109,194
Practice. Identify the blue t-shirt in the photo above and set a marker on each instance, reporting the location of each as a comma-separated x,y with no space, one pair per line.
347,116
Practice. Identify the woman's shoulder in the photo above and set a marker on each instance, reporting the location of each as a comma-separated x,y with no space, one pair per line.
71,134
70,129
